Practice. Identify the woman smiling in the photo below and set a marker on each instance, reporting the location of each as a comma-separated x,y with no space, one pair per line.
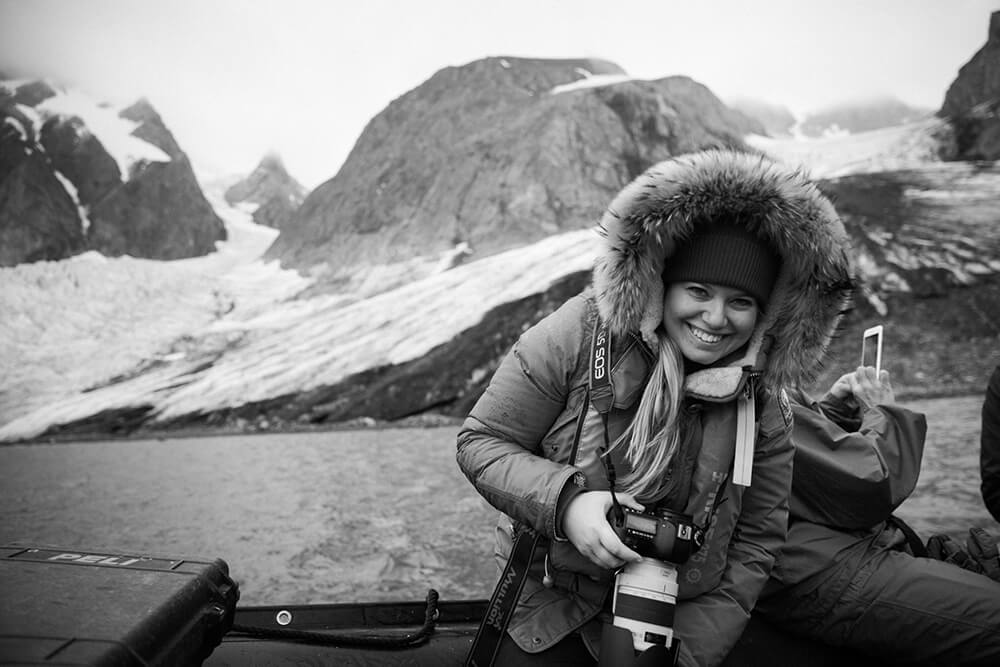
722,278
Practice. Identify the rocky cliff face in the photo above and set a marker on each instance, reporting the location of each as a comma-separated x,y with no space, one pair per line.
65,187
38,218
972,103
498,153
271,190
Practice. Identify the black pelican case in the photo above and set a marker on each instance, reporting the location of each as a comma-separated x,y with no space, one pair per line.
76,607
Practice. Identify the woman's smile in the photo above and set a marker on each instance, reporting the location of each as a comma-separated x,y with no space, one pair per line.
706,337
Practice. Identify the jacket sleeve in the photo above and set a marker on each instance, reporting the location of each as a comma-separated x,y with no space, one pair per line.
854,479
989,455
711,624
499,444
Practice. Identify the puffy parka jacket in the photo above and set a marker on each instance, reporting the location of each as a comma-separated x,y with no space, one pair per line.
536,428
853,467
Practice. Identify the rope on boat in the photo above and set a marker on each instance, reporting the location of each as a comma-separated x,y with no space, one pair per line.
333,639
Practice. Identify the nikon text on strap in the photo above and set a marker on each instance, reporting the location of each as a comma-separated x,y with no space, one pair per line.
501,608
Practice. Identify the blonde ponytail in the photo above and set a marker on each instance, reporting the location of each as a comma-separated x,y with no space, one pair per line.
651,440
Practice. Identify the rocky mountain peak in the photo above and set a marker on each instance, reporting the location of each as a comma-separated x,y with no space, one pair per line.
76,175
498,153
272,162
500,76
270,190
151,127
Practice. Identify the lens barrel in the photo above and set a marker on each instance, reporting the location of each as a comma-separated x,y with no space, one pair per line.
645,597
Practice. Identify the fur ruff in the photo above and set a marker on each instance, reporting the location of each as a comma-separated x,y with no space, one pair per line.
662,207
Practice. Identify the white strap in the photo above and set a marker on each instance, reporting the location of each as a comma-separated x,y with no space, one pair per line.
745,437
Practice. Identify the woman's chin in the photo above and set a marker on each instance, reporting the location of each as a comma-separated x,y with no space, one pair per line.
700,355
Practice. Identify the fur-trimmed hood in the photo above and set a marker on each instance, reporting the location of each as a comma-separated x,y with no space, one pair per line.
664,206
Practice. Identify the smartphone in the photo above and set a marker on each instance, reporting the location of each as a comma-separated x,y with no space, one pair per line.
871,347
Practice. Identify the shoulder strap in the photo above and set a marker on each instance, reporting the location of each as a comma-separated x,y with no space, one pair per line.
602,393
491,630
746,433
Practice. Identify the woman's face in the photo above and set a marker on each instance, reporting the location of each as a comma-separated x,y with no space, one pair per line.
708,321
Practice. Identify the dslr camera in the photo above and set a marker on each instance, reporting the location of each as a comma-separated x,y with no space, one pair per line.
661,534
645,592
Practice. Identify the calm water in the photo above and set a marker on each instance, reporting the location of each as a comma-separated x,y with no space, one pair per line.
346,516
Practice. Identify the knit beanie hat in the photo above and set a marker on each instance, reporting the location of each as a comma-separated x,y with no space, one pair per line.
726,254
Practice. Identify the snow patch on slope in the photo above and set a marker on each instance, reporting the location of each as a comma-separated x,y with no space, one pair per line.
113,131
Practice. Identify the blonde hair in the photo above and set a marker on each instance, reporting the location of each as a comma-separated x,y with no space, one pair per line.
652,439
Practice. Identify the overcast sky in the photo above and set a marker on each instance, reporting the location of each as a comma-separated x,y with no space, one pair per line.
236,78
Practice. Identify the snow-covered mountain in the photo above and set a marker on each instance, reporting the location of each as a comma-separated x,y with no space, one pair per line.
103,343
79,175
270,193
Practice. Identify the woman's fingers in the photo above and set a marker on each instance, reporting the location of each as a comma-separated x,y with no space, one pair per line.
628,500
617,549
608,551
604,558
586,526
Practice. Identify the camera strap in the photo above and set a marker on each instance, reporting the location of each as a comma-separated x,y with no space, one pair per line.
602,397
602,393
501,607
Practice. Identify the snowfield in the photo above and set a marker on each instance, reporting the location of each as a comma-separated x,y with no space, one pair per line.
91,333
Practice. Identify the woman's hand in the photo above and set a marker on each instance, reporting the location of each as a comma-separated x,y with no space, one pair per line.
586,526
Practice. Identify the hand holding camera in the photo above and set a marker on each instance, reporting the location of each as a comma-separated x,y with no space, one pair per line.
586,526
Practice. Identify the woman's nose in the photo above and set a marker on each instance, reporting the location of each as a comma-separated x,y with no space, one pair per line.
714,313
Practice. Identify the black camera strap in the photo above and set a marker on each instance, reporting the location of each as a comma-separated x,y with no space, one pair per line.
602,397
600,394
491,630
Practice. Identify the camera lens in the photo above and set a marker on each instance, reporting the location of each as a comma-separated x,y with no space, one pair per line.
644,601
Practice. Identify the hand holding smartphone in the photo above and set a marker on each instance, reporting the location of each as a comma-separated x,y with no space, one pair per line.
871,348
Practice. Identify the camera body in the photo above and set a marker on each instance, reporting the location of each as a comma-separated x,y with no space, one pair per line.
661,534
645,592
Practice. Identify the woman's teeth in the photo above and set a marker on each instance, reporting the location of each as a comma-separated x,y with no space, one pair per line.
704,336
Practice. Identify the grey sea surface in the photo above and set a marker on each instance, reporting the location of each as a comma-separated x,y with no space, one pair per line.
345,516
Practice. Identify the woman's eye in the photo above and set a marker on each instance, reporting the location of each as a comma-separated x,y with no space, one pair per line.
697,292
743,303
